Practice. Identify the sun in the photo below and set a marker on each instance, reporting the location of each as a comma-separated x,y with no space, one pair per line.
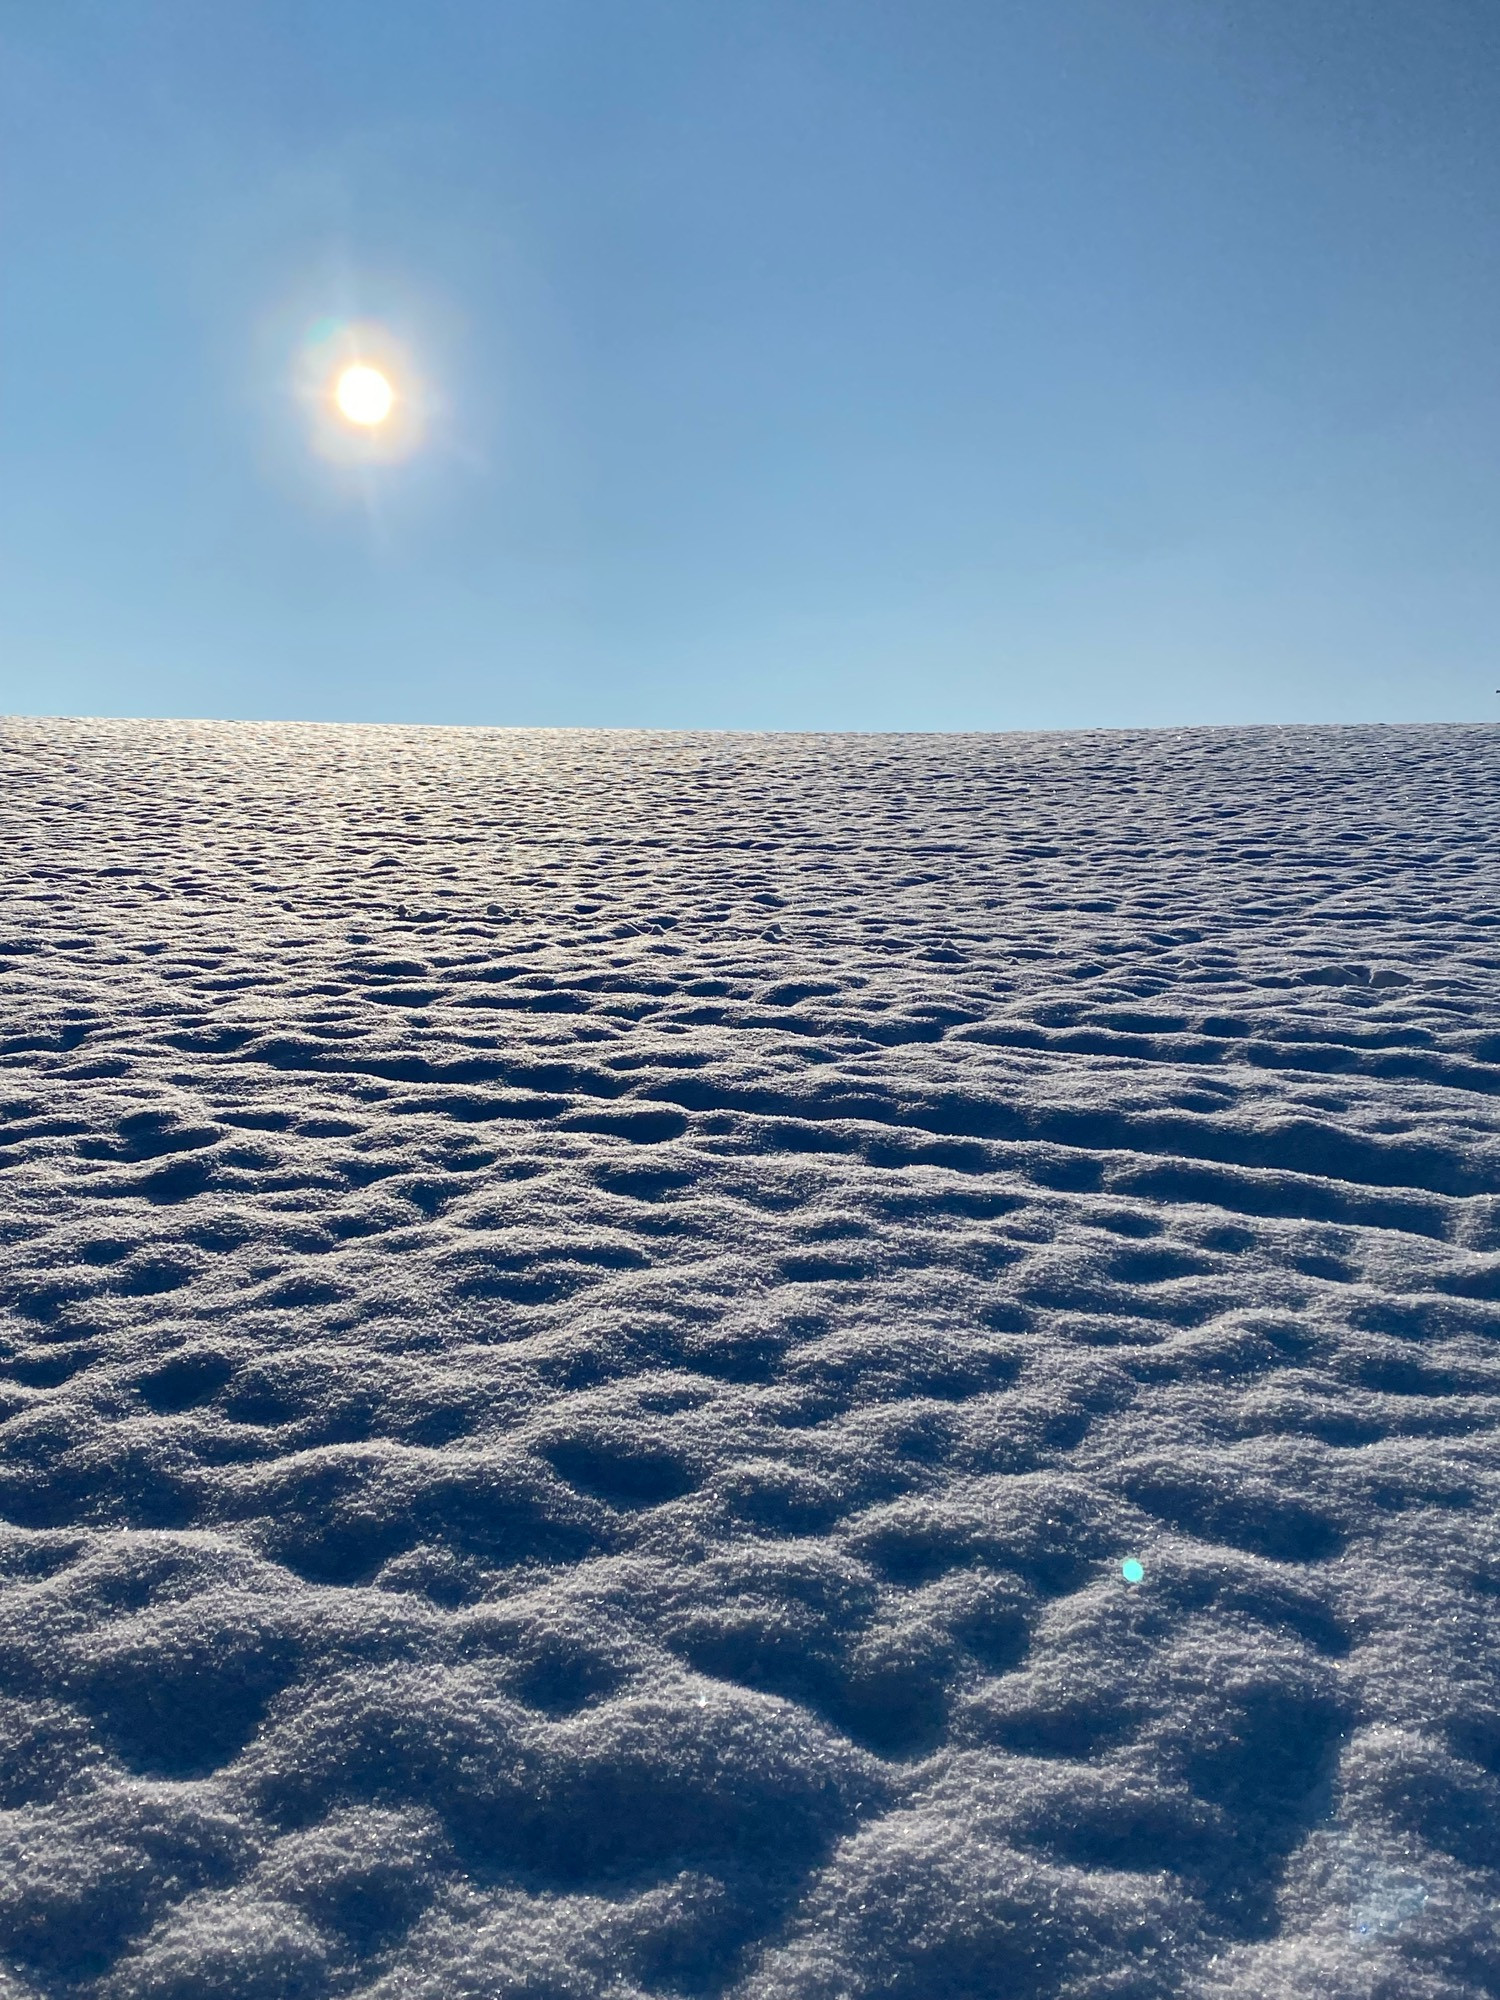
367,400
364,395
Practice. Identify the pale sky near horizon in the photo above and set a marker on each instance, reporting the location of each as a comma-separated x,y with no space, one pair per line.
860,364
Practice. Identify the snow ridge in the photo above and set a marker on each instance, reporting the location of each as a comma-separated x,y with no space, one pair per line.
590,1317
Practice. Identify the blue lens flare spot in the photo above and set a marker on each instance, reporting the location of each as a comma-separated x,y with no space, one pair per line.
1131,1570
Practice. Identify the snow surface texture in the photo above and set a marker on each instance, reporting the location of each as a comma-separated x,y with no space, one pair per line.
589,1320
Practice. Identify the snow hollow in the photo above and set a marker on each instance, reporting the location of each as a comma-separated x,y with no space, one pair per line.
805,1368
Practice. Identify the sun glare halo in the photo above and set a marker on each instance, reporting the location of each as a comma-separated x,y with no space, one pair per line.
364,395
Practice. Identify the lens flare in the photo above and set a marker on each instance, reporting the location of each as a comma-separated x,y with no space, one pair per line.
364,395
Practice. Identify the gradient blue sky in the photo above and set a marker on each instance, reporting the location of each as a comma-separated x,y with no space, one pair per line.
821,363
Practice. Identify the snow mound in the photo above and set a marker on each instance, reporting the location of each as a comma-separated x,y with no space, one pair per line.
791,1367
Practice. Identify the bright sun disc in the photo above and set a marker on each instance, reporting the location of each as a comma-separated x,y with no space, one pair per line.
364,396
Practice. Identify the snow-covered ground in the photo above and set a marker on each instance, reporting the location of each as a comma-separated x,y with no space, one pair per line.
591,1321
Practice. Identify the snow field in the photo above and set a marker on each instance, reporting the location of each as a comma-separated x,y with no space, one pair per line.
590,1319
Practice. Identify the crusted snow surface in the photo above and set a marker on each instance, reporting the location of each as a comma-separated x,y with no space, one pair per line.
589,1321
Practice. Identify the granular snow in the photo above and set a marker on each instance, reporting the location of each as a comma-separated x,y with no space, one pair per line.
795,1367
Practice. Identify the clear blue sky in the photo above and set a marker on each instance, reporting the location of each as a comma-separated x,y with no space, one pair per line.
791,363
